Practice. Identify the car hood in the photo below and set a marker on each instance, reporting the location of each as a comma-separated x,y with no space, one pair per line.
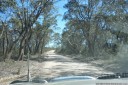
77,80
91,82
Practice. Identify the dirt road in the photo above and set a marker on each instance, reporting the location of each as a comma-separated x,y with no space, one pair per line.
57,65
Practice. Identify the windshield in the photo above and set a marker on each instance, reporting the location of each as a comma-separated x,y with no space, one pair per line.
62,38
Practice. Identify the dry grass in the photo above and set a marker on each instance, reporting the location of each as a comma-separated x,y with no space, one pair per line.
115,63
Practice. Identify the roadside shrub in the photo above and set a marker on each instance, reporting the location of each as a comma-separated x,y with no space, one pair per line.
122,58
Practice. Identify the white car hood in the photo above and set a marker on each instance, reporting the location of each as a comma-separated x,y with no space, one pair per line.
84,82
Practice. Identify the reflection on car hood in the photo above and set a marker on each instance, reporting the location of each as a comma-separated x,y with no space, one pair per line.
72,78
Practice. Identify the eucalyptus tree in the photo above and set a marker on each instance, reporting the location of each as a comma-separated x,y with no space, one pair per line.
117,20
5,13
5,4
82,13
72,39
28,14
94,18
22,19
112,19
57,40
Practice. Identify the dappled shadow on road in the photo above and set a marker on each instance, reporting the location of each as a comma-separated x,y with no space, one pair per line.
53,57
58,58
39,58
58,66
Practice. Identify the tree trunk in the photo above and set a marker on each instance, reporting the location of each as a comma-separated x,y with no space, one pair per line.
3,44
21,54
90,43
9,51
9,55
23,44
42,47
21,49
90,48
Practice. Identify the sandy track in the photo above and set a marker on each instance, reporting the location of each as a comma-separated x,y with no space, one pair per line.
58,65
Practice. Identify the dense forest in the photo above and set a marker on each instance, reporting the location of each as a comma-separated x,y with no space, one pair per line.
25,26
94,28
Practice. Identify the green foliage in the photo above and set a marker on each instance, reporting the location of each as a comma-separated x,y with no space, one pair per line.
26,26
5,4
72,40
94,26
57,40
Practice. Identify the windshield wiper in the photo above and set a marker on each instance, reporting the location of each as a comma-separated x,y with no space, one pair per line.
113,76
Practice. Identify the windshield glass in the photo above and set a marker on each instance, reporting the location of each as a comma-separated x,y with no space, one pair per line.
49,39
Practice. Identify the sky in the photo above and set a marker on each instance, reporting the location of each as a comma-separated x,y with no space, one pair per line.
61,23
